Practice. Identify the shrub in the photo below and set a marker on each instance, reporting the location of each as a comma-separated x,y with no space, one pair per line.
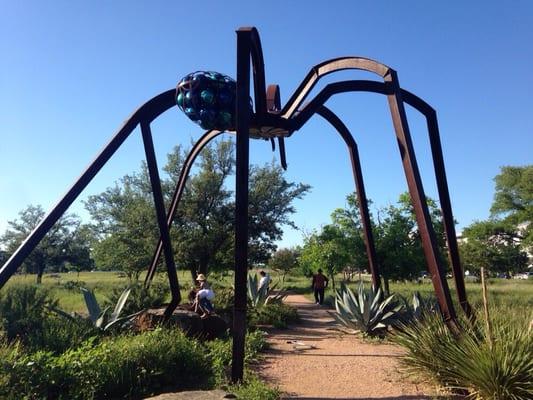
140,298
500,367
254,389
23,309
114,367
278,315
219,354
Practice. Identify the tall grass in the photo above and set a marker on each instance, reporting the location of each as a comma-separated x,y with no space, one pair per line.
497,369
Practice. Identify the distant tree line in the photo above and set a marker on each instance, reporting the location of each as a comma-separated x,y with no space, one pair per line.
123,231
500,244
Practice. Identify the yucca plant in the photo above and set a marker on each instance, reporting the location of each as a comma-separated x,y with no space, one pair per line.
367,311
497,369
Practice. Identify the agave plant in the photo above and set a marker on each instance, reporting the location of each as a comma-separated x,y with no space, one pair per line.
262,296
367,311
101,319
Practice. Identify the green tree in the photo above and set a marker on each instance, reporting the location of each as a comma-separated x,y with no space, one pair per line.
65,242
203,228
284,261
513,201
328,250
493,245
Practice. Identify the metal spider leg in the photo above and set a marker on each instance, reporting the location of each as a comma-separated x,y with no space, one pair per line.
334,120
444,196
146,113
161,218
393,92
176,197
247,43
418,198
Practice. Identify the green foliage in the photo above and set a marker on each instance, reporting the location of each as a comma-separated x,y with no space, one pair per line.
277,314
219,353
116,367
254,388
66,242
493,245
366,311
284,261
126,227
23,310
140,297
497,369
257,296
101,319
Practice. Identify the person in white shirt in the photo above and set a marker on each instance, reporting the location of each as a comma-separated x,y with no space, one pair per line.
264,282
203,297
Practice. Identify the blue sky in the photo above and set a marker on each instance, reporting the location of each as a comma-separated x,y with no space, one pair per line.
71,72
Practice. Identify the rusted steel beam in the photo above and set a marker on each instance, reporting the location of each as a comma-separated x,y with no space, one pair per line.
161,218
332,118
444,196
244,46
176,197
418,199
147,112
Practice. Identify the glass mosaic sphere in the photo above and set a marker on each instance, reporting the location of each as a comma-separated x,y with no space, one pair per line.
208,99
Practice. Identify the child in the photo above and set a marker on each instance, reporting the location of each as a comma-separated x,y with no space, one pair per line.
203,297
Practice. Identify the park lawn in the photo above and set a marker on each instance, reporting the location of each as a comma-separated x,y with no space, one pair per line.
506,294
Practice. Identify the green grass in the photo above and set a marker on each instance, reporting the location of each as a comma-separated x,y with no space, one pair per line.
502,292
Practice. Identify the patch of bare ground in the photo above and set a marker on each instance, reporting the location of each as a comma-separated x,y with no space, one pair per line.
313,361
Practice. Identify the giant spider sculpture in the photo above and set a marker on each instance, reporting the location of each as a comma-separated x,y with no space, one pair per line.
267,119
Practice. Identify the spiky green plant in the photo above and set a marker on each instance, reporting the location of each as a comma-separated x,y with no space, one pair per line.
261,296
101,319
367,311
497,369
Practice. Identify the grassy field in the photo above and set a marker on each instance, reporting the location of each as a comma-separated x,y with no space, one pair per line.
514,295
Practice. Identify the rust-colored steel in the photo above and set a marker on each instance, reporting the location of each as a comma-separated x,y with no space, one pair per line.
245,45
332,118
418,198
159,203
146,113
270,121
176,197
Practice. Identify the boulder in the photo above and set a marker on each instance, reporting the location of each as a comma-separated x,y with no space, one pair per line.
194,395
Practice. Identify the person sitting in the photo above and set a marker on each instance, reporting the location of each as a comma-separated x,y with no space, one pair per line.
203,297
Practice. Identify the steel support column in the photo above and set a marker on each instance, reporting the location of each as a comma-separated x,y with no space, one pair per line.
176,197
418,198
161,218
241,202
147,112
332,118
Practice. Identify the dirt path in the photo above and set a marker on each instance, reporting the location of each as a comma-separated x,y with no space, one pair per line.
332,365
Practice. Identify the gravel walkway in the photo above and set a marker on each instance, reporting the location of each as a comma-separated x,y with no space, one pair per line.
312,361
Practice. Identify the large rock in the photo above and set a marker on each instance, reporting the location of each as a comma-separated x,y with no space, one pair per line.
195,395
190,322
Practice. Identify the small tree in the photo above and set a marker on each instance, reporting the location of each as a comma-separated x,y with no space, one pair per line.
284,260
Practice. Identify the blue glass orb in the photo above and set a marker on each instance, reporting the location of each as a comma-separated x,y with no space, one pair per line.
208,99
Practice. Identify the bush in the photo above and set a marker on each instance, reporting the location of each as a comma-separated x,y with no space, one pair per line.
254,389
140,298
114,367
498,367
278,315
23,309
219,354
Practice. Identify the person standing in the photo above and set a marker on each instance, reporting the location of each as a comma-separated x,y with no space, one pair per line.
264,282
320,282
